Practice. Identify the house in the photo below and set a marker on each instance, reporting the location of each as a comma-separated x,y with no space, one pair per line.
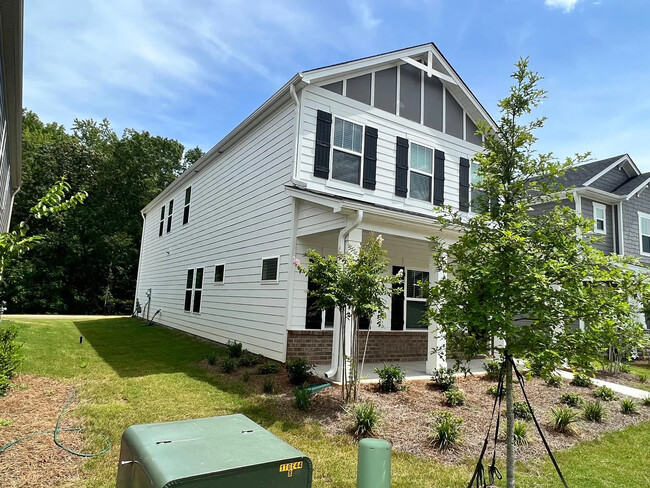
370,145
11,105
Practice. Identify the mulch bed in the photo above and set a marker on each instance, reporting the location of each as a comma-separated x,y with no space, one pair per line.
629,379
33,404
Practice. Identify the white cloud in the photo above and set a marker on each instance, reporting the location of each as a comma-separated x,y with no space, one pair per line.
566,5
364,14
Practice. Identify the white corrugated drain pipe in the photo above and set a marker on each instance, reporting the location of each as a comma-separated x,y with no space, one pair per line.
336,333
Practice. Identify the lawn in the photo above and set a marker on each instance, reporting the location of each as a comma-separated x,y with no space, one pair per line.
128,373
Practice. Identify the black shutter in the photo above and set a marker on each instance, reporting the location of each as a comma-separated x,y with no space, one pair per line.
439,178
397,303
364,323
464,185
323,136
313,319
370,158
401,167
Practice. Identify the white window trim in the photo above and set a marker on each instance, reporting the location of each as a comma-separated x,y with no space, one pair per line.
194,289
348,151
163,221
186,205
406,297
642,215
277,271
433,160
471,187
222,282
169,221
600,206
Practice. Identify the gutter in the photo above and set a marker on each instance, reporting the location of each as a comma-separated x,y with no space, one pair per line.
336,333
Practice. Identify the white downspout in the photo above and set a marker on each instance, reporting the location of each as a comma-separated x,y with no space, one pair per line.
336,333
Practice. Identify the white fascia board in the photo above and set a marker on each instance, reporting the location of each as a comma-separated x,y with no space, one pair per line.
645,183
601,195
610,167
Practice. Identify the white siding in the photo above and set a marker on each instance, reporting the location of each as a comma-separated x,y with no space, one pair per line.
5,176
314,218
389,127
239,214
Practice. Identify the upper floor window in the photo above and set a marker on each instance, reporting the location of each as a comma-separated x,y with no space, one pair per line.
474,178
421,172
170,213
270,270
186,208
644,233
347,149
600,227
162,221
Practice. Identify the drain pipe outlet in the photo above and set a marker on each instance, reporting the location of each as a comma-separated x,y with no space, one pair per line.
336,333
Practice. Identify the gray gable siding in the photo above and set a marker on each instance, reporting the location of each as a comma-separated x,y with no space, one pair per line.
611,180
631,208
606,244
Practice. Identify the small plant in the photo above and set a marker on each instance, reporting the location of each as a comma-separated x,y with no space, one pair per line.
4,385
390,377
563,419
521,437
582,380
246,376
301,395
446,430
10,357
629,406
268,367
269,385
366,418
248,359
522,411
299,370
554,380
572,400
444,378
228,365
212,358
5,423
642,377
234,349
492,369
646,401
604,393
593,411
494,391
624,368
455,397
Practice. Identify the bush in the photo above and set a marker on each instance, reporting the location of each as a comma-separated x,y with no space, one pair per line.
228,365
268,367
554,380
522,411
629,406
563,419
366,418
646,401
444,378
213,358
582,380
4,385
455,397
493,369
572,400
299,370
10,357
446,431
642,377
390,377
234,349
593,411
302,396
604,393
521,437
624,368
494,391
269,385
248,359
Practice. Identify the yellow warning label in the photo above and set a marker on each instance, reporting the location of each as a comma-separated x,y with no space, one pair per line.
290,467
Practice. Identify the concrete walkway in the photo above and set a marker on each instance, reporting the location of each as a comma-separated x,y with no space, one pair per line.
622,389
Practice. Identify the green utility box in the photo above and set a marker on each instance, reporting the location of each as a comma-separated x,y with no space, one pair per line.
218,452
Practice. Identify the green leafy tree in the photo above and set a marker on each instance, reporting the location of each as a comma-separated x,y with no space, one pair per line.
356,282
522,278
192,156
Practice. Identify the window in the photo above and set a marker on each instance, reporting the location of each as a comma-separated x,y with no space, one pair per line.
193,290
219,273
347,151
421,174
186,209
188,290
473,180
644,233
415,301
270,269
600,227
162,221
170,213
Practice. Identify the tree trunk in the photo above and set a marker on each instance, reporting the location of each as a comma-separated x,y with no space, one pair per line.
510,427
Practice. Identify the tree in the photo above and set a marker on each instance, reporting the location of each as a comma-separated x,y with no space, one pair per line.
192,156
356,283
524,278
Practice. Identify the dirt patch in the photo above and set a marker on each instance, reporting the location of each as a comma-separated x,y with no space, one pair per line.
33,404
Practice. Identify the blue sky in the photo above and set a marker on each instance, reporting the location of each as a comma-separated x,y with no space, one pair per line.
193,69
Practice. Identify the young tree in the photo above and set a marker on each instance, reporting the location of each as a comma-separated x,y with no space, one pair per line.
356,282
522,278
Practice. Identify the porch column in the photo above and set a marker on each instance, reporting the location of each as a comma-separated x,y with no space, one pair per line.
435,339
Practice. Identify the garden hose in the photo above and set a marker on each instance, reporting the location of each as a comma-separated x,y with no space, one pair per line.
57,429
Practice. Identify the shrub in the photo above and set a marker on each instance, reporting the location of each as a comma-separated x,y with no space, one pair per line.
582,380
366,418
248,359
572,400
444,378
593,411
522,411
4,385
302,396
624,368
299,370
494,391
228,365
604,393
455,397
629,406
446,430
642,377
521,437
268,367
535,367
10,357
646,401
554,380
269,385
563,419
390,377
493,369
234,349
246,376
212,358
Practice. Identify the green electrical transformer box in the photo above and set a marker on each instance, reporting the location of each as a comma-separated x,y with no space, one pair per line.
218,452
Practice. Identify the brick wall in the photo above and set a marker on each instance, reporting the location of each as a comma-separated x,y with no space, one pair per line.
316,345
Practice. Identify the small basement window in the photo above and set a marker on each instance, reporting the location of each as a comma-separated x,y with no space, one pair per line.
600,227
347,151
186,208
219,273
644,233
270,270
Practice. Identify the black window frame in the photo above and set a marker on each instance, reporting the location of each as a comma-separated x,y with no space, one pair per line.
186,207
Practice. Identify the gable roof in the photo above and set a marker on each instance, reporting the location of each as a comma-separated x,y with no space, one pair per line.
585,173
633,185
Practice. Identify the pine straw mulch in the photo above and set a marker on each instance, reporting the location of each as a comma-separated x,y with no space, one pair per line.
628,379
33,404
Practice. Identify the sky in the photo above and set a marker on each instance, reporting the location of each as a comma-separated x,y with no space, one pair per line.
192,70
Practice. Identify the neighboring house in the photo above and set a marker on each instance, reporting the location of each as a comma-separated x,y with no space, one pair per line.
338,152
11,103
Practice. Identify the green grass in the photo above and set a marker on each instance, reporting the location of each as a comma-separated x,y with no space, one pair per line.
640,369
127,373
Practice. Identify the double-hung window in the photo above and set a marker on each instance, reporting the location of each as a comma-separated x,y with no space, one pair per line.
416,302
421,172
193,290
347,151
644,233
600,226
219,273
162,221
475,193
170,213
186,208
